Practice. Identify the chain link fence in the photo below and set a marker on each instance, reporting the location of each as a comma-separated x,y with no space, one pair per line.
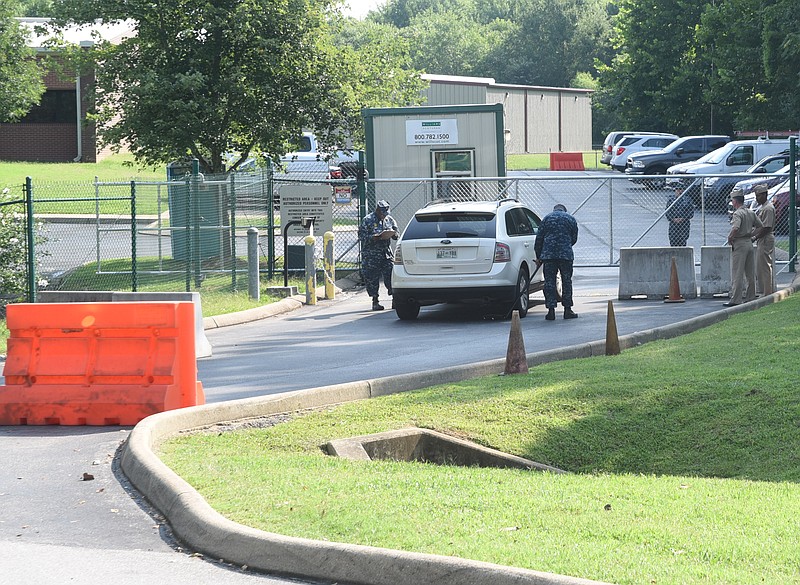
612,211
15,248
191,232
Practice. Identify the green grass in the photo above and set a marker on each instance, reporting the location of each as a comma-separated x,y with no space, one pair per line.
684,458
535,162
118,167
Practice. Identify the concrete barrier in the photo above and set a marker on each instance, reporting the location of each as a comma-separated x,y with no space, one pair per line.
646,272
202,346
715,271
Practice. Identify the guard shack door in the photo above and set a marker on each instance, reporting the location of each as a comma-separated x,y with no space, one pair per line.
454,164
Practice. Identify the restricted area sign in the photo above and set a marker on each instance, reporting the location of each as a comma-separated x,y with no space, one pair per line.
299,201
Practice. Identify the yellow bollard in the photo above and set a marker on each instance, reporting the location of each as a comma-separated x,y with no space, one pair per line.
330,265
311,271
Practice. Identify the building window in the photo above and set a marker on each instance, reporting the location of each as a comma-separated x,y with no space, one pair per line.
57,106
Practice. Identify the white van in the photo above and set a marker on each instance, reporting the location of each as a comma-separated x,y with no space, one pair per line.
735,157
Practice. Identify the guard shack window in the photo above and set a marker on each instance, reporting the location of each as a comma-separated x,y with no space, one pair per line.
56,107
454,164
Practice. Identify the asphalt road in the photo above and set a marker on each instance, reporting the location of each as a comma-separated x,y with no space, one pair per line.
59,526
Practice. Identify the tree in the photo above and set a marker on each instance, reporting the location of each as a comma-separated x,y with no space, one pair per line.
203,79
21,84
754,51
658,79
39,8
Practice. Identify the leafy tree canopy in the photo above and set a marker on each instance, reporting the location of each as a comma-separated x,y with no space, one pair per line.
21,84
204,79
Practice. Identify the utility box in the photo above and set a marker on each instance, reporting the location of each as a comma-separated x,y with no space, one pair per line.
196,212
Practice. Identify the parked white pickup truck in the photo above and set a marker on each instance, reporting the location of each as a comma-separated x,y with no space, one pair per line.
310,159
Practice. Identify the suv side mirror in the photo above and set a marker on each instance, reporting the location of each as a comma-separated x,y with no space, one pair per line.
679,152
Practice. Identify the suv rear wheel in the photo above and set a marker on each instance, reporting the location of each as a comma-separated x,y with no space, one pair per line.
522,301
407,311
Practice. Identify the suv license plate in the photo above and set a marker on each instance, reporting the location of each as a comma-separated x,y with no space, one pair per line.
446,253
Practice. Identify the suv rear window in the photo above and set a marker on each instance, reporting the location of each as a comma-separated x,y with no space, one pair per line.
456,224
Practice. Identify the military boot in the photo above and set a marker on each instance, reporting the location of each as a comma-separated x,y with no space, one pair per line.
376,306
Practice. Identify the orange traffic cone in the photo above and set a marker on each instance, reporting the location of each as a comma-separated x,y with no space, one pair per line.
612,339
516,362
674,286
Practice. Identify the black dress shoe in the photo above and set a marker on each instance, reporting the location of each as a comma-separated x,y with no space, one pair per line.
730,304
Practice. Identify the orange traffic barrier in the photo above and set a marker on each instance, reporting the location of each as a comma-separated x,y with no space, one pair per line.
98,363
566,161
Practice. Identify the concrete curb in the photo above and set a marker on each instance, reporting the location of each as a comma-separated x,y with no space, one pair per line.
203,529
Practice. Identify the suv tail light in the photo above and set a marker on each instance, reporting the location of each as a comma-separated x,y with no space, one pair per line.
620,150
335,173
398,255
502,253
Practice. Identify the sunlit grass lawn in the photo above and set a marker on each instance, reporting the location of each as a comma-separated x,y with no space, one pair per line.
538,162
119,167
684,458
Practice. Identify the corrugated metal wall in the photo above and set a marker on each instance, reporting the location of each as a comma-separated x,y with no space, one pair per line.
448,94
543,121
576,127
540,119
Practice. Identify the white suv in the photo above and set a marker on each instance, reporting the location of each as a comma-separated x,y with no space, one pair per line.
637,143
467,251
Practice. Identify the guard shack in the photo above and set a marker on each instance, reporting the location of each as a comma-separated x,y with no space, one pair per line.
449,143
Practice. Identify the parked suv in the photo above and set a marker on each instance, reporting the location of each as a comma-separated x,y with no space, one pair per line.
656,162
717,189
478,251
613,138
637,143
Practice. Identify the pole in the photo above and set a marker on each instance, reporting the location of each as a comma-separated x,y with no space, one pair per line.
253,286
792,204
311,270
330,265
31,240
134,265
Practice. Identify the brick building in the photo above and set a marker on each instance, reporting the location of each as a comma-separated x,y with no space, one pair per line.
57,129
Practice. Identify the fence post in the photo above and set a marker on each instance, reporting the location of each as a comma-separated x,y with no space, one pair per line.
31,240
792,205
271,222
330,265
188,214
134,264
233,231
611,222
311,271
253,284
195,197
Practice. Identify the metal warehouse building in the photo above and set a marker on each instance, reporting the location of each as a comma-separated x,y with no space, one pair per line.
537,119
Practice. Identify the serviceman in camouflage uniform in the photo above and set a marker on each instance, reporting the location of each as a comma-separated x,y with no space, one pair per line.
679,214
377,258
557,234
743,222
